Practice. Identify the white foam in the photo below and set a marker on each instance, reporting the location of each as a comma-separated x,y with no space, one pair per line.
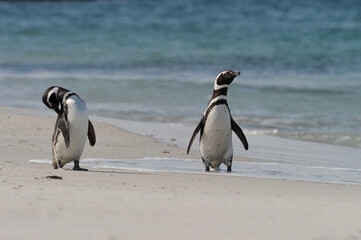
48,161
240,169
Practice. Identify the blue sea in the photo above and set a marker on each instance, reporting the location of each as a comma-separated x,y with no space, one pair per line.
155,61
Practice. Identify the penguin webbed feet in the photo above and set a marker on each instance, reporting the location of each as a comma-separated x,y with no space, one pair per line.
229,169
57,164
77,167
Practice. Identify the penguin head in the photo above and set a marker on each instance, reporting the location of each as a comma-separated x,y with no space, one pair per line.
53,97
225,78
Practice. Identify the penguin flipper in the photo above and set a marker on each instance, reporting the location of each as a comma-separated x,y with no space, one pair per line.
199,127
239,132
64,128
91,133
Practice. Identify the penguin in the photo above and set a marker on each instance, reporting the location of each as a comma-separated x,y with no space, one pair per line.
216,126
71,128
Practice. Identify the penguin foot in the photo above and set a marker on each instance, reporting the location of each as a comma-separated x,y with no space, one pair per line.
207,168
58,164
229,169
77,167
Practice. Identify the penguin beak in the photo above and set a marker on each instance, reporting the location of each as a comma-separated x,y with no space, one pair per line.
237,73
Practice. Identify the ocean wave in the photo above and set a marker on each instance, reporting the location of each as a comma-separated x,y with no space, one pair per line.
301,89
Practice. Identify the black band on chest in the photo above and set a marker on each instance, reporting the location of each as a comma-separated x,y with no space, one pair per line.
209,108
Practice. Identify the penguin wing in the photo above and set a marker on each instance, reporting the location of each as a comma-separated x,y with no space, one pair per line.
240,134
64,128
91,133
199,127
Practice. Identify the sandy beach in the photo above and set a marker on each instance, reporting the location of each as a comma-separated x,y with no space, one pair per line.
114,204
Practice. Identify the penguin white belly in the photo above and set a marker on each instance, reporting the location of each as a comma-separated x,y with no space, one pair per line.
216,141
77,119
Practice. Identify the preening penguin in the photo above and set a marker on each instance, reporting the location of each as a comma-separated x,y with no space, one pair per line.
216,126
71,128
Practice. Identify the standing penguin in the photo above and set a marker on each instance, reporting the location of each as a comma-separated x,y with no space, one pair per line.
216,126
71,128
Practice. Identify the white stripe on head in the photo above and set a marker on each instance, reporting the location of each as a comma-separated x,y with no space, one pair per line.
55,91
66,95
216,86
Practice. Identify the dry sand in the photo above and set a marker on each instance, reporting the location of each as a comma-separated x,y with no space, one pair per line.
102,204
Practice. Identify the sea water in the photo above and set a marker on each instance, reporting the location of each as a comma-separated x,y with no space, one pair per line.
155,61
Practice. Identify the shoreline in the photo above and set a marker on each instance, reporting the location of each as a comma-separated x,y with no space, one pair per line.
123,204
268,157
